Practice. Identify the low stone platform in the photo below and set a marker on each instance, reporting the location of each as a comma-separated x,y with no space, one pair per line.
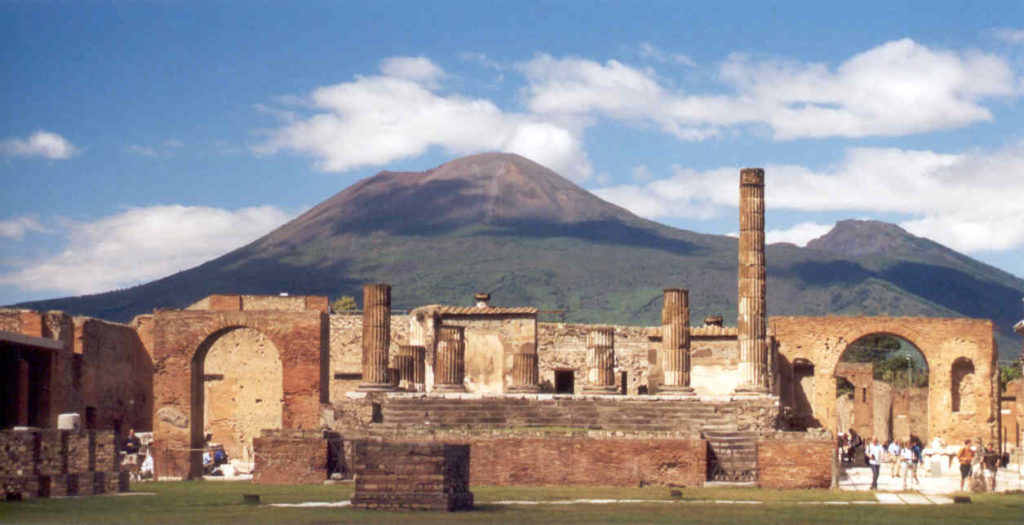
41,463
411,476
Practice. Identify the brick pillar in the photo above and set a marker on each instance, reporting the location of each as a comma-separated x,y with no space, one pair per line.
752,307
21,394
675,342
525,377
600,361
376,337
450,370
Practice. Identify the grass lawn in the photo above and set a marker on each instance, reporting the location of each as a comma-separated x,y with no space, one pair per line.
221,502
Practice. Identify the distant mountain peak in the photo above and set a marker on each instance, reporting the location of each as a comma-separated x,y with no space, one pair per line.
853,237
487,188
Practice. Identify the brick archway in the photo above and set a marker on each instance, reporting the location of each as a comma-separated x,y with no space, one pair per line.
181,339
822,341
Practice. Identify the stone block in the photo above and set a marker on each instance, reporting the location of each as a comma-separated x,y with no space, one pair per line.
412,476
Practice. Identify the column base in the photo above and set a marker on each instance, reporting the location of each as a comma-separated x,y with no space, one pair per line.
601,390
524,389
750,390
450,389
376,387
676,391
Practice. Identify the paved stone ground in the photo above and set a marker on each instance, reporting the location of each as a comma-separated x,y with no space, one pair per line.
947,482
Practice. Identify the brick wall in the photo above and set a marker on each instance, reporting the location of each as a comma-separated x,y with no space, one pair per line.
412,476
568,461
290,458
795,462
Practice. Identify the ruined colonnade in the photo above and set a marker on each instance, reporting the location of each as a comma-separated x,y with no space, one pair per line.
752,305
675,342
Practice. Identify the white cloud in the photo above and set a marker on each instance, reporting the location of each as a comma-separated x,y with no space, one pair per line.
141,244
897,88
480,59
17,227
379,119
40,144
164,149
968,201
641,173
651,52
1009,35
798,234
417,69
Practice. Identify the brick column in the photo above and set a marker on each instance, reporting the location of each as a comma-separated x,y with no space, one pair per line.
675,342
600,361
752,307
525,376
376,337
450,369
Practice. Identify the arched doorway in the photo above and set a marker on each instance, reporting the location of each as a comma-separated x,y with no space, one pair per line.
882,388
237,390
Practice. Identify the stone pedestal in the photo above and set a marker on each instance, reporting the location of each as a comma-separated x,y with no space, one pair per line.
600,361
411,476
525,376
450,369
376,337
752,307
675,342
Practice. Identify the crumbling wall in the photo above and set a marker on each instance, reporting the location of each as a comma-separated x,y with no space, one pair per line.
882,411
861,375
116,374
822,341
346,350
45,463
290,458
491,341
562,346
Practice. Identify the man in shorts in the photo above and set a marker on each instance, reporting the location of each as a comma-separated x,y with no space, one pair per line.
965,456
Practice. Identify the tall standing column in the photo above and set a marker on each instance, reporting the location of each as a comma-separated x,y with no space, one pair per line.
450,370
525,376
376,337
600,361
752,307
675,342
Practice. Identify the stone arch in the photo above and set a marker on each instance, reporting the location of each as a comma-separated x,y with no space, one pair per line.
198,376
823,340
243,390
960,383
181,341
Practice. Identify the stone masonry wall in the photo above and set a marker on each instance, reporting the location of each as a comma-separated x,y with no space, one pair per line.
290,458
44,463
822,341
346,339
117,374
793,461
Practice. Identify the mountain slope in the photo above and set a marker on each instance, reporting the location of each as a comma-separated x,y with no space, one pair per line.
502,223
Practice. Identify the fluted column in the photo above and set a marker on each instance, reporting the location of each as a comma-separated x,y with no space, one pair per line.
600,361
376,337
675,342
525,376
450,369
411,367
752,304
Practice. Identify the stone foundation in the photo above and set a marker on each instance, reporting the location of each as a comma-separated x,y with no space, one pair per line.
412,476
45,463
294,457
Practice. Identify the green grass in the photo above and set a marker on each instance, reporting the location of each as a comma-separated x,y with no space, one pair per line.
221,502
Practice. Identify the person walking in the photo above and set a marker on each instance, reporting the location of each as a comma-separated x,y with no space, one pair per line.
907,458
918,451
894,456
965,456
874,453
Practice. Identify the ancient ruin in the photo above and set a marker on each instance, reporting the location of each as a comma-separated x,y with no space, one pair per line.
291,389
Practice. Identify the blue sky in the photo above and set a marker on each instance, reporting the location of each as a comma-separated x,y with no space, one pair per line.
140,139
